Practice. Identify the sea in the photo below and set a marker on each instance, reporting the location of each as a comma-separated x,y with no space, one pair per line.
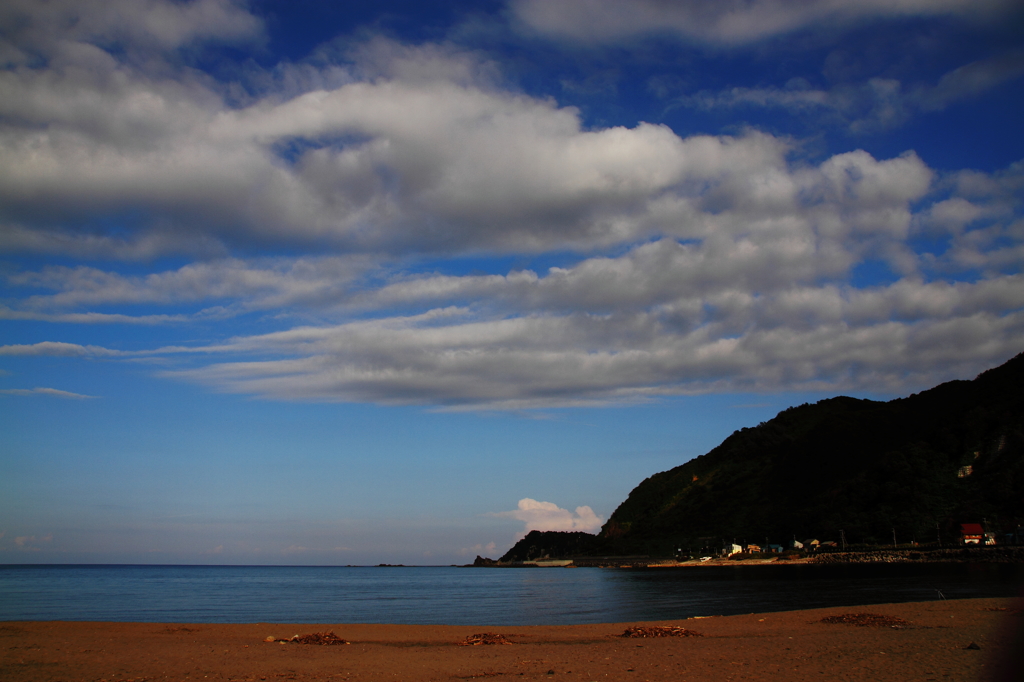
472,596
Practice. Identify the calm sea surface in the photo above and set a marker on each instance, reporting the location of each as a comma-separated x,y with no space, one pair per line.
467,596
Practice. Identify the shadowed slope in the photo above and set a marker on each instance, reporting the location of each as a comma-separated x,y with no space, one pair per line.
864,467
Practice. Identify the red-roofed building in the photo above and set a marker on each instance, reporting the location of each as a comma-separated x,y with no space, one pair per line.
971,533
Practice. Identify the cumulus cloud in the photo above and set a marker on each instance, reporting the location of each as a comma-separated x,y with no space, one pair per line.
729,22
557,185
549,516
414,149
754,294
428,156
687,264
758,298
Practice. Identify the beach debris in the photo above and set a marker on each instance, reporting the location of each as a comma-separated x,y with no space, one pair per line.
660,631
874,620
972,645
1005,609
486,638
319,638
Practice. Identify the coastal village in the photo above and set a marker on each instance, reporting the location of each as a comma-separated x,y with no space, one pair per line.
972,544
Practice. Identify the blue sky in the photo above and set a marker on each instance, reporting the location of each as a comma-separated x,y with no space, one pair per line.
306,283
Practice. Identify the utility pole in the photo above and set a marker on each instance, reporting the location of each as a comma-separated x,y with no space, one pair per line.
894,538
842,536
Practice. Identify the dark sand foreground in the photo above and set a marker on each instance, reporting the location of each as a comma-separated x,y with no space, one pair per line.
794,645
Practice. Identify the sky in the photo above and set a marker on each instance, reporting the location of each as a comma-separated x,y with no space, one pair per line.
320,283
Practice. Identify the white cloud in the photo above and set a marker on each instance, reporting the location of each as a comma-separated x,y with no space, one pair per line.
403,162
56,348
57,25
16,238
700,263
549,516
263,283
62,349
729,22
90,318
741,343
415,149
756,297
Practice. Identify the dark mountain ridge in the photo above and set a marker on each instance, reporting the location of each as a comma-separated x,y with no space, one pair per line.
915,466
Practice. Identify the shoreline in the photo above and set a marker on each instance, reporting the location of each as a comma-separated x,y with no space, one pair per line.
946,555
916,641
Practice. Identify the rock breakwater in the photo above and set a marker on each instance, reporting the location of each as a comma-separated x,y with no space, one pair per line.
1001,555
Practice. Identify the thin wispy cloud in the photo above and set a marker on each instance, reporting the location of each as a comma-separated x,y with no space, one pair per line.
876,104
51,392
730,22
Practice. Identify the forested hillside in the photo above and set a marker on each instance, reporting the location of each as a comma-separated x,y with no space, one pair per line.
864,467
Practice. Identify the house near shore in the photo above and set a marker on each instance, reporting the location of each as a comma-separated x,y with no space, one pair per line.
753,549
971,533
731,549
774,549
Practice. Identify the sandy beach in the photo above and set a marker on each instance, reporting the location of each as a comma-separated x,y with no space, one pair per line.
971,639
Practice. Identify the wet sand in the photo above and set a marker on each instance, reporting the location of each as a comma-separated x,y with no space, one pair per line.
793,645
